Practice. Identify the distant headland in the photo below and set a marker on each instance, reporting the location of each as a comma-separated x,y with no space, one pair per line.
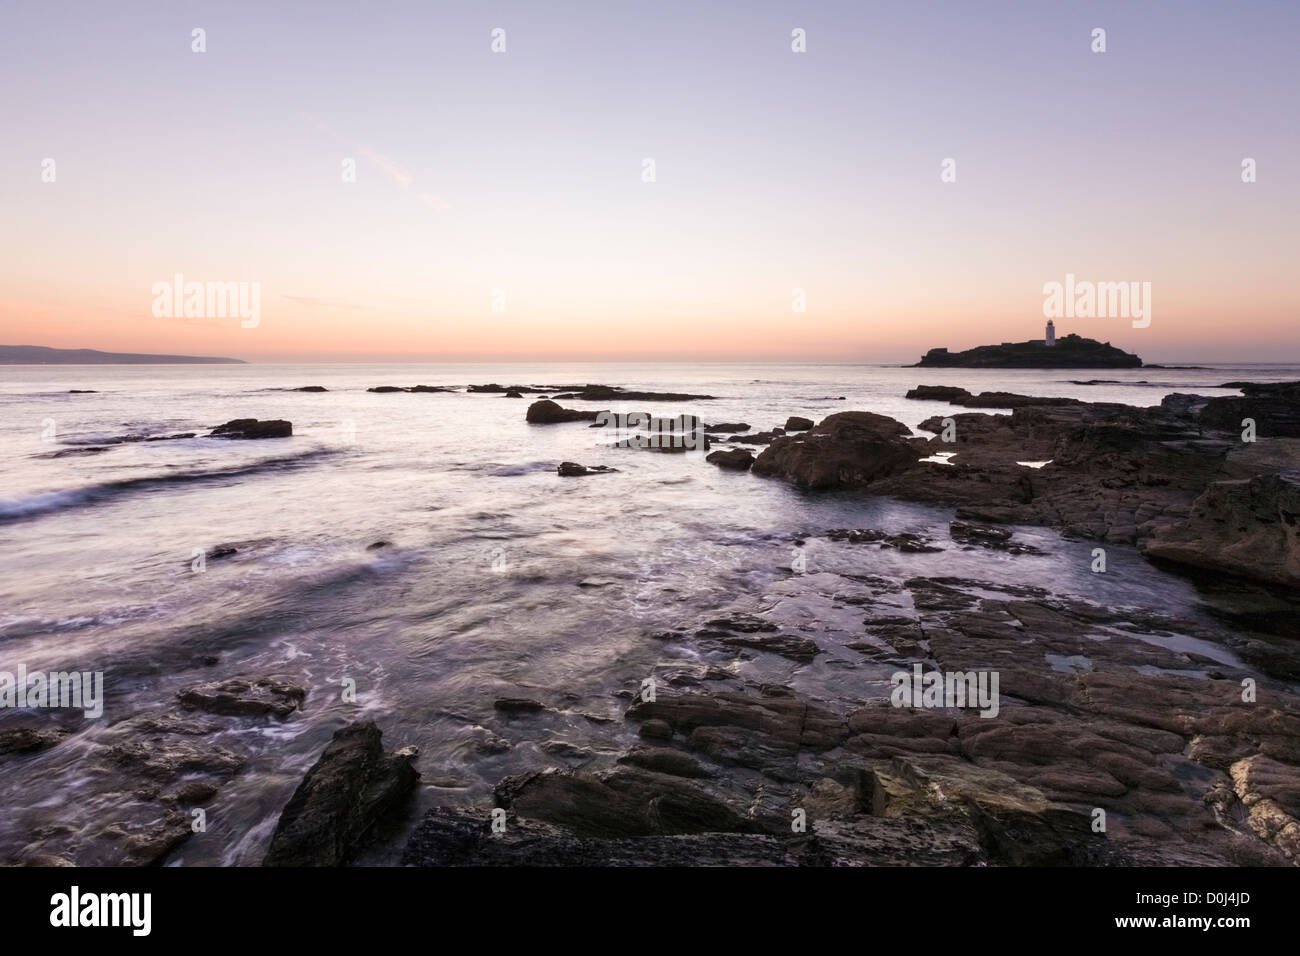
40,355
1071,351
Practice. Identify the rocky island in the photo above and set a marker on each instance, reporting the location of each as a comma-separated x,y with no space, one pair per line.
1070,351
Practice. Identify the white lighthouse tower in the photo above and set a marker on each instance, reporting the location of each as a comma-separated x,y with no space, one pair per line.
1051,333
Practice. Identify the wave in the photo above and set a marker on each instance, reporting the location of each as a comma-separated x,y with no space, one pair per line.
52,501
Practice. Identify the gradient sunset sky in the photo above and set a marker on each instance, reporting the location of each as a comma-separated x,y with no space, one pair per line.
522,171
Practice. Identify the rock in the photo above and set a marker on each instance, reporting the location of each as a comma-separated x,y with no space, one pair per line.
456,836
757,438
250,428
796,424
938,393
619,803
847,448
664,760
1247,527
377,545
657,730
415,389
571,469
735,459
242,696
352,787
1274,407
1070,351
221,551
311,388
25,740
549,413
518,705
727,427
514,393
81,391
906,541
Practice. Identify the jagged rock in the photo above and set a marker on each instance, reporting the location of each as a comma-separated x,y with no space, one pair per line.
353,786
727,427
796,424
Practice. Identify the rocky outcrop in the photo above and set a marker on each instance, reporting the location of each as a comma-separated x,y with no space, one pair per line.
1275,409
252,428
1070,351
1247,527
547,412
796,424
388,389
732,459
245,696
847,448
960,396
351,788
571,469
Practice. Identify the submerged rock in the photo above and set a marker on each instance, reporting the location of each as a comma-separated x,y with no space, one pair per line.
243,696
352,787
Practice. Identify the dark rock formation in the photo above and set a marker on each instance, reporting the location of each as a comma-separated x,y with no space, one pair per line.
1248,527
796,424
252,428
1275,409
244,696
728,427
847,448
352,787
311,388
735,459
571,469
1070,351
387,389
546,412
960,396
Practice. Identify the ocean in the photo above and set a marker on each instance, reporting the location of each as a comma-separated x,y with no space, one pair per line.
496,577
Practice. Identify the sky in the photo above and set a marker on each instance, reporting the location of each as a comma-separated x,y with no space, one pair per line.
501,208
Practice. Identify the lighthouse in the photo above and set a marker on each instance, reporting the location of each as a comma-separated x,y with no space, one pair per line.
1051,333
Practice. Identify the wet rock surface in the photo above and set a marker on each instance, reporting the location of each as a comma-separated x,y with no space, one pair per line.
348,791
1119,710
242,696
